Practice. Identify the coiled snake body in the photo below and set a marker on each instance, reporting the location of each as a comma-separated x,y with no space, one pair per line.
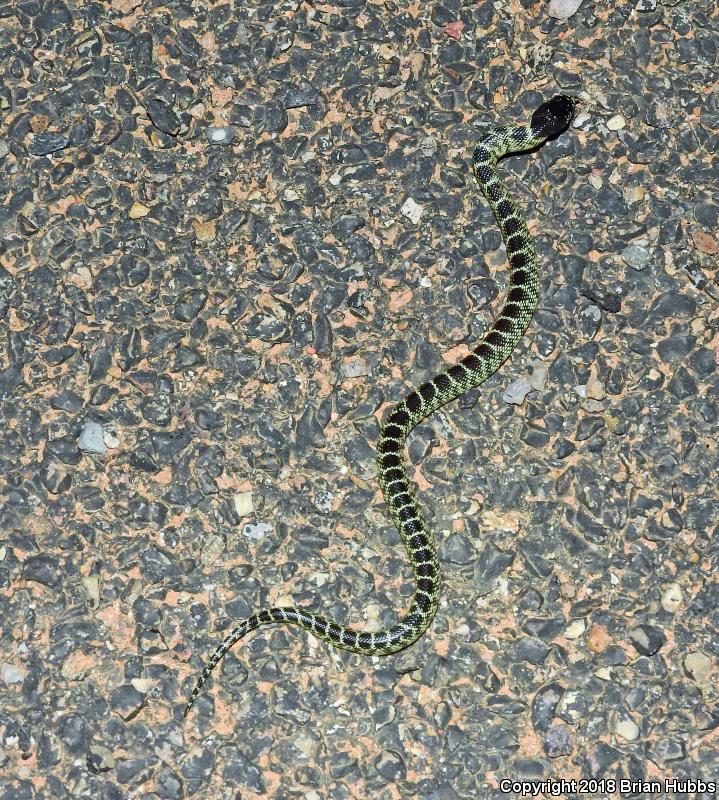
548,121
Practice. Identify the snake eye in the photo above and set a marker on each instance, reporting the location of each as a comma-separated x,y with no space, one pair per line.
552,117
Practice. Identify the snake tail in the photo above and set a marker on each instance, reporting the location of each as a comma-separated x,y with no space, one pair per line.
547,122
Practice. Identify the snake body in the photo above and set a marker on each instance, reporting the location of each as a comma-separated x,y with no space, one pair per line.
548,121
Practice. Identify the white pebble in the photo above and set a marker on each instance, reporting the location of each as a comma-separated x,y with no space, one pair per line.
672,598
412,210
628,729
538,378
257,531
575,629
91,438
243,504
698,666
563,9
220,134
11,674
516,392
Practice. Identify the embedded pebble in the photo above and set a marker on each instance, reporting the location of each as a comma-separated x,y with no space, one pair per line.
138,211
575,629
45,143
616,123
412,210
516,392
220,134
91,438
9,673
243,504
538,376
627,728
672,598
563,9
356,368
323,502
257,530
647,639
637,256
698,666
558,741
595,389
111,439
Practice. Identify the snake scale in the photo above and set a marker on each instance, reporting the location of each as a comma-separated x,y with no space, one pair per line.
547,122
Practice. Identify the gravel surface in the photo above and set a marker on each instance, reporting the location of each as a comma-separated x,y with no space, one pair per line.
231,237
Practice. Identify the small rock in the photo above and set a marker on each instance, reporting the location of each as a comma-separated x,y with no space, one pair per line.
544,706
110,438
616,123
698,666
45,143
391,766
91,438
563,9
257,531
575,629
634,195
142,684
243,504
412,210
528,649
558,741
636,255
205,231
91,587
516,392
458,549
705,242
220,134
538,378
163,117
356,368
668,750
138,211
573,707
100,759
595,389
581,119
627,729
323,502
672,598
11,674
568,590
43,569
647,639
598,639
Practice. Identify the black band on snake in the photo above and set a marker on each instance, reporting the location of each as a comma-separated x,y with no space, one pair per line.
548,121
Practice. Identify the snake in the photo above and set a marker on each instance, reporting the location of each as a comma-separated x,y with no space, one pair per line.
548,121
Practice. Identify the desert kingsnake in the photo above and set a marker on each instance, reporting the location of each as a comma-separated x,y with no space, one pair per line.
548,121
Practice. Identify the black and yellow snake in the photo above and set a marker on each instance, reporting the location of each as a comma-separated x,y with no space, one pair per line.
548,121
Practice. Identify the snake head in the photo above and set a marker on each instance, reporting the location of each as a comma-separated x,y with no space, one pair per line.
552,117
